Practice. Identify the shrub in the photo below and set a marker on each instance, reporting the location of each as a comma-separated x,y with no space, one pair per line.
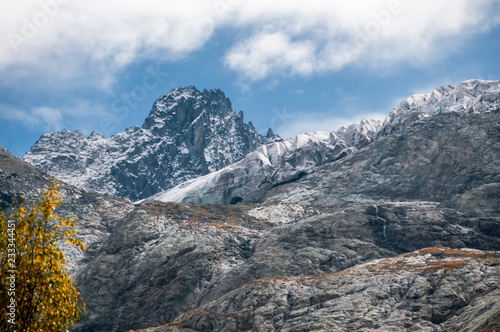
36,293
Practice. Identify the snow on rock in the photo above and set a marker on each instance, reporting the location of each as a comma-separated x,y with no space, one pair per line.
191,133
475,96
252,177
278,163
360,135
187,134
280,214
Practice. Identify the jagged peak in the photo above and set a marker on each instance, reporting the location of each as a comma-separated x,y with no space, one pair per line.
187,91
213,93
477,96
192,92
359,135
476,81
64,132
196,102
94,136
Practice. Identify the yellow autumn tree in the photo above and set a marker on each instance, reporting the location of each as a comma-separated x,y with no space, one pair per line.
36,293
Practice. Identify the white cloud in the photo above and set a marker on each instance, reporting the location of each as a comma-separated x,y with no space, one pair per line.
73,36
263,55
41,117
67,37
332,34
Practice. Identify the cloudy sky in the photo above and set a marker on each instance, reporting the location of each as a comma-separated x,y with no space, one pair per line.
295,66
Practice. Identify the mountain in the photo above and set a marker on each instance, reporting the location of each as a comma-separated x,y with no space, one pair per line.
359,135
187,134
97,214
388,226
419,154
409,156
378,227
473,96
240,268
253,177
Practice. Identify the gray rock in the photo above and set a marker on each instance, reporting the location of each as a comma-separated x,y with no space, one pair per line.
434,159
97,214
165,259
435,289
187,134
483,201
162,260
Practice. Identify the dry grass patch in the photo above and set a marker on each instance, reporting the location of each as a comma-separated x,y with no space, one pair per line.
223,217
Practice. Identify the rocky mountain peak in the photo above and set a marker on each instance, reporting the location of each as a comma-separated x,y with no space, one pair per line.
359,135
187,134
171,108
186,109
475,96
272,168
95,136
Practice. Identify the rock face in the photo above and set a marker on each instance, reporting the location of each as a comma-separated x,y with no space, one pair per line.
434,159
166,259
95,213
187,134
163,260
435,289
265,168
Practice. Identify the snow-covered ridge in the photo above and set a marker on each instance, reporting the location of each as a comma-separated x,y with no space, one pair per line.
280,162
187,134
191,133
266,167
359,135
476,96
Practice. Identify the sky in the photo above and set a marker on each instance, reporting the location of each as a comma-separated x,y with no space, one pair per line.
294,66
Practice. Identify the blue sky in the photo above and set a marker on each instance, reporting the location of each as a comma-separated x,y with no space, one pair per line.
294,66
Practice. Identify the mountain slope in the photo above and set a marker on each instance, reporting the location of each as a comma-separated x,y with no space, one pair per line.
265,168
187,134
409,156
434,289
166,259
97,214
369,237
365,229
434,159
